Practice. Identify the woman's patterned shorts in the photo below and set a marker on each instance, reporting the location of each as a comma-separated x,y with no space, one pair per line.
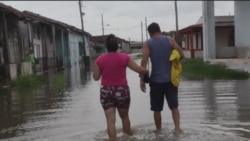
115,96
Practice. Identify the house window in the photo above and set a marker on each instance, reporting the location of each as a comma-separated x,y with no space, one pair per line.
231,38
36,31
98,49
49,35
1,56
37,51
197,40
80,48
13,44
1,47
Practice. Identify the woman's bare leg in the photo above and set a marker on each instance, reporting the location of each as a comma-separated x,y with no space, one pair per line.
110,117
125,121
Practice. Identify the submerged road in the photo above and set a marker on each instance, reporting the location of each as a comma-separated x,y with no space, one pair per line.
211,110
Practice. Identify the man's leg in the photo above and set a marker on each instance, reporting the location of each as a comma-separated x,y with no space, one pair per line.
110,117
156,102
172,99
176,119
157,118
125,121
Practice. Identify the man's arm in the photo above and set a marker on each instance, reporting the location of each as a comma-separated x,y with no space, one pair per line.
144,62
176,46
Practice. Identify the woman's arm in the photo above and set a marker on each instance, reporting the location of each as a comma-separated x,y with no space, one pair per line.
96,72
133,66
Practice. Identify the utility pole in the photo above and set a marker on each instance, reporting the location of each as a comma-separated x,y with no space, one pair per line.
103,49
102,26
146,28
141,33
209,51
176,22
84,58
146,35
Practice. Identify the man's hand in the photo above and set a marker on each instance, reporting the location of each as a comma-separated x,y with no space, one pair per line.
143,86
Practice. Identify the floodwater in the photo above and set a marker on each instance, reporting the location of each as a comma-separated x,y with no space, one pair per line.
211,110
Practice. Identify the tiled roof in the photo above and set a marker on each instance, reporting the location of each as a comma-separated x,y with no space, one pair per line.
27,15
219,22
9,9
47,20
218,19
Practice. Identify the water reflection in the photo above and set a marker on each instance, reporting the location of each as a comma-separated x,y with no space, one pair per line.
221,103
210,110
77,75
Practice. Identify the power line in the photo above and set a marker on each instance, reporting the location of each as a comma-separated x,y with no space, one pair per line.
167,12
102,9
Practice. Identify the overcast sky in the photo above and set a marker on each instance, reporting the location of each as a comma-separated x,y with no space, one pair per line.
122,18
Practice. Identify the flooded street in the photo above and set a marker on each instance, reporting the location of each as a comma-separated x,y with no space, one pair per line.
211,110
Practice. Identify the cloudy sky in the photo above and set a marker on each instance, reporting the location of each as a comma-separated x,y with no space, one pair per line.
122,18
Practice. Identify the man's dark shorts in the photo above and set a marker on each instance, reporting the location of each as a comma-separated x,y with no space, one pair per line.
157,93
115,96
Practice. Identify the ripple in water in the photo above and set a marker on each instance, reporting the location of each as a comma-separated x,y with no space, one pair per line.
148,133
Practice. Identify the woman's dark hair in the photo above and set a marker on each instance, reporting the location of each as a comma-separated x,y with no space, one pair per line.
153,28
111,43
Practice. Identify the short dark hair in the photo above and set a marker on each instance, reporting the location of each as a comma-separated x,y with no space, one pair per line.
111,43
153,28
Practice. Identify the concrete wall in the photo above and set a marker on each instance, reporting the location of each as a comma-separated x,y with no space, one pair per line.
235,64
199,40
208,30
125,47
13,71
198,54
226,52
187,53
26,68
242,22
232,52
221,35
135,50
243,52
74,48
242,30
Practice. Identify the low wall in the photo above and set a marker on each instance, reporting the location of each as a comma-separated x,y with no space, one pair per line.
196,53
26,68
236,64
13,71
187,53
226,52
232,52
243,52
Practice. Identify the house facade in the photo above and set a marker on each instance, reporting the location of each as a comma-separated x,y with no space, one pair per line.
51,41
241,36
192,38
98,45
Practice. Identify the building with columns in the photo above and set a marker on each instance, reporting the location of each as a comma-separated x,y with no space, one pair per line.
241,31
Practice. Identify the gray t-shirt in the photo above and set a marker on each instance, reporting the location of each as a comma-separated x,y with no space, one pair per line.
160,51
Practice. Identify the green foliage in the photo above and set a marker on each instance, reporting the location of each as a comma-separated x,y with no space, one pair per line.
27,81
139,55
197,69
59,81
94,56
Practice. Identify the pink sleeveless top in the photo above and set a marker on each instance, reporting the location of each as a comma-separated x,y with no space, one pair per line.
113,68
